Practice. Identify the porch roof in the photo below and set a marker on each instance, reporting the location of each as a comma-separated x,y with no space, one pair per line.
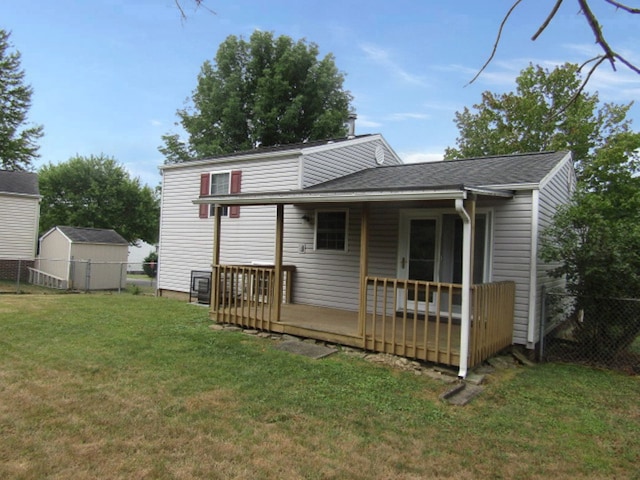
309,195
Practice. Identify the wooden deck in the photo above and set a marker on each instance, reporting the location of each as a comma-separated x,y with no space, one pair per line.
249,296
389,335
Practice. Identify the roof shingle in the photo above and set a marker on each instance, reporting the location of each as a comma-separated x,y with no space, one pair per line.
92,235
25,183
494,171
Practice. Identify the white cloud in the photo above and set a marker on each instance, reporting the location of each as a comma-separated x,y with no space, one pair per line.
396,117
364,121
420,157
383,58
156,123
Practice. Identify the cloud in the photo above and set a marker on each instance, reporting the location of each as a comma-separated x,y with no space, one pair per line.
398,117
383,58
420,157
364,121
156,123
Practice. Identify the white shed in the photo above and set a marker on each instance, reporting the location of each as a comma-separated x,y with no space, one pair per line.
84,258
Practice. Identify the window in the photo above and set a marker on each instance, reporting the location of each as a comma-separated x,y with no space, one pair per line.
219,186
331,230
220,183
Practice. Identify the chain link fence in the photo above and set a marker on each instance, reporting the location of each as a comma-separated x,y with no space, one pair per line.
603,332
20,276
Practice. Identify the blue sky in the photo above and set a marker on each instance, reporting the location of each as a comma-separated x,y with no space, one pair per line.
109,75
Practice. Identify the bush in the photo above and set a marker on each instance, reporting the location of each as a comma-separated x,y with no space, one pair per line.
150,265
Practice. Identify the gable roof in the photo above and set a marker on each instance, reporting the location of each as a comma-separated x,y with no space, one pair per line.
92,235
290,149
18,182
503,171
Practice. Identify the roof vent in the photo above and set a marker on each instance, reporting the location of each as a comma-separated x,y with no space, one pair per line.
351,125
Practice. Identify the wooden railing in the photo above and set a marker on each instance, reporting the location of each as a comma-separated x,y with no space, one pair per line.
44,279
413,319
421,320
245,294
492,319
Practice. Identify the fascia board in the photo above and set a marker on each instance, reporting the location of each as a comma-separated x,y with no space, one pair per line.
335,197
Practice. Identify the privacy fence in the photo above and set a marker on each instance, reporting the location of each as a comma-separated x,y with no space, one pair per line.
76,275
603,332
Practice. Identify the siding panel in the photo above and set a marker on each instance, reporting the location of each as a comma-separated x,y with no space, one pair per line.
326,165
186,241
19,226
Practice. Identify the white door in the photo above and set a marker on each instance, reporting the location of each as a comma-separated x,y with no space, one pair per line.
419,253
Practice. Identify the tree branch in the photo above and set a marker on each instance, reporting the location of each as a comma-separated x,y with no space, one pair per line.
623,7
548,20
495,45
199,3
608,53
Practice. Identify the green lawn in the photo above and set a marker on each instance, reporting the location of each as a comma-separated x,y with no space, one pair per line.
138,387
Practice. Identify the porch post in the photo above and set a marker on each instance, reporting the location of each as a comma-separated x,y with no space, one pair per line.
364,268
215,273
277,290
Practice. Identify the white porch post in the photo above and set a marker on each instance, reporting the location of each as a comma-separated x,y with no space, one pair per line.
466,210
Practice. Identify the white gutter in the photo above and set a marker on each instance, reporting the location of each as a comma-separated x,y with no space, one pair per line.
533,268
465,321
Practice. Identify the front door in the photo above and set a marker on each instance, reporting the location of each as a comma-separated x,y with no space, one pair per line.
418,253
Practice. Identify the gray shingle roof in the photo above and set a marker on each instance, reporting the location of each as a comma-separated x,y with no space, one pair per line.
92,235
279,148
526,168
25,183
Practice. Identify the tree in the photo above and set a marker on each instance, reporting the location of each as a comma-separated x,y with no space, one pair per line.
150,265
17,141
544,113
267,91
595,243
97,192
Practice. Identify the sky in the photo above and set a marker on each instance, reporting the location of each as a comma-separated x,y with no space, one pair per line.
109,75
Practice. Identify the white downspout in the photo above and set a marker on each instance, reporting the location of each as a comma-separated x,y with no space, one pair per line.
465,321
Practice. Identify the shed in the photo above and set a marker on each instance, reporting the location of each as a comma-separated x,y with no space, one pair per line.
84,258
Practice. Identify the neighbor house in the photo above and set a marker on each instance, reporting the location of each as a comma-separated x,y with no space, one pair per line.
340,241
78,258
19,217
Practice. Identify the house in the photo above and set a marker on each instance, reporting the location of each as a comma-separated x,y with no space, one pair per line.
137,255
78,258
19,217
341,242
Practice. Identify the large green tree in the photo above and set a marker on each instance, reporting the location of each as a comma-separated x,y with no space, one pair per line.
595,243
18,145
548,111
267,91
98,192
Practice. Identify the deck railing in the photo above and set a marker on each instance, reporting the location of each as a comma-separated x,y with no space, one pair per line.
245,294
422,319
413,319
491,319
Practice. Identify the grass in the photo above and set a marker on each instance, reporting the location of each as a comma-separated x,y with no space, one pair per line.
136,387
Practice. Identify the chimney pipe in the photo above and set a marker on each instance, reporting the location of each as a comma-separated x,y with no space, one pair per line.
351,125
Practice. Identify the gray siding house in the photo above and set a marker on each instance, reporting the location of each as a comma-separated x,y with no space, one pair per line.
19,217
342,242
